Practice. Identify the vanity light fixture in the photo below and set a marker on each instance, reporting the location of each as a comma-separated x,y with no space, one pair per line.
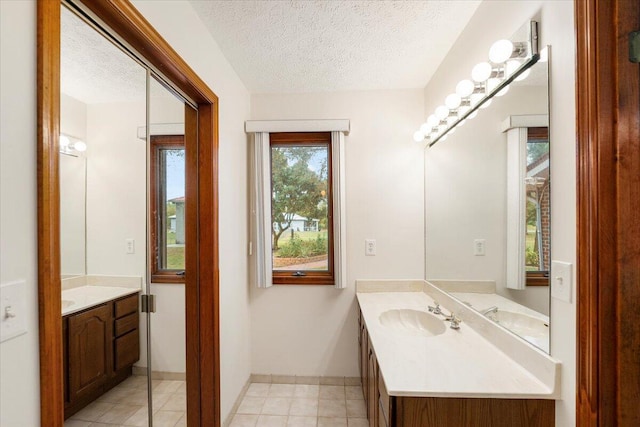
509,61
71,145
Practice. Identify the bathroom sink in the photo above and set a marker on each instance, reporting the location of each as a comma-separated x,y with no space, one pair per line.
522,324
413,322
67,303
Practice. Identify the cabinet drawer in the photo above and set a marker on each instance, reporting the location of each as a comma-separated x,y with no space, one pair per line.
126,324
126,306
127,350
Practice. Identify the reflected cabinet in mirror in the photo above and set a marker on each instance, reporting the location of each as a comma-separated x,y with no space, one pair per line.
487,190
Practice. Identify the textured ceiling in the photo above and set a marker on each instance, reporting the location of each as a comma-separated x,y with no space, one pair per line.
93,70
312,46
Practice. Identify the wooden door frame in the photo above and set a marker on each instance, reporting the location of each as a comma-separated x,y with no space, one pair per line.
201,140
608,233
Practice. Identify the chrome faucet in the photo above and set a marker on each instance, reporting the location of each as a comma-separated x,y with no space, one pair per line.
493,309
455,320
436,309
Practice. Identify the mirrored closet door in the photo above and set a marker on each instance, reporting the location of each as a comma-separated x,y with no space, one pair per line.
122,233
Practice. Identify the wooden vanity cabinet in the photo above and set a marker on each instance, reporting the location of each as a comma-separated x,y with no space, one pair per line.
89,347
403,411
101,344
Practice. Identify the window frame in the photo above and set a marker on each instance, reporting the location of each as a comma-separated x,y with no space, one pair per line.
311,277
538,278
158,143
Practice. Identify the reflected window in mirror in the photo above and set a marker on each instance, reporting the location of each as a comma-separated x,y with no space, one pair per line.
538,213
168,208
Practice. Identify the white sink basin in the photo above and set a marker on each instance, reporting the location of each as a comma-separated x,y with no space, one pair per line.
522,324
67,303
413,322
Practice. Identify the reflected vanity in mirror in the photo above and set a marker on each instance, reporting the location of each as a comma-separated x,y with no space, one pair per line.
487,209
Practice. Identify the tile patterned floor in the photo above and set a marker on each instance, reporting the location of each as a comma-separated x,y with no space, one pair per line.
293,405
126,405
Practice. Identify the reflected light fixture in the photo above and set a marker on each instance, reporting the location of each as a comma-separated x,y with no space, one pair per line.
508,61
71,145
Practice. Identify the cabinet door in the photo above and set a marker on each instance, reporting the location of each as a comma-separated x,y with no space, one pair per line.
364,361
372,380
90,349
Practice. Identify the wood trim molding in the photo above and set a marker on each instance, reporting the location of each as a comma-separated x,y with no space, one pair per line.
49,285
202,287
608,231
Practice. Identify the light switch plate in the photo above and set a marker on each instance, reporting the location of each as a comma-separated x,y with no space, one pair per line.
561,280
12,310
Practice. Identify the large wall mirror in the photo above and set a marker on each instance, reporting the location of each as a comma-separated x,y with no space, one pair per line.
487,210
100,105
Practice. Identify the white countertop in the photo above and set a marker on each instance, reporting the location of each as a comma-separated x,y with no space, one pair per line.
457,363
84,297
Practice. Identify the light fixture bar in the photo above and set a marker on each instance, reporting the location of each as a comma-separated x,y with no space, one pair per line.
501,70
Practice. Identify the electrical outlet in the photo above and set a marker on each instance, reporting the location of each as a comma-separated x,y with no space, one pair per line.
370,247
561,280
479,247
131,246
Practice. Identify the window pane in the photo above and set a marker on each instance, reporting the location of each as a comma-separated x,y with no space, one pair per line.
538,213
300,202
172,237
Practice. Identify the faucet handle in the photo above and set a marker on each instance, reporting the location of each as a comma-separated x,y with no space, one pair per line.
436,309
455,321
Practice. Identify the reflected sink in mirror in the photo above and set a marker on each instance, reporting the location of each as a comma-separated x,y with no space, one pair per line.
413,321
532,329
67,303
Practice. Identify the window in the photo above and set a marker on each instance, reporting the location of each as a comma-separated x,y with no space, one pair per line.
301,208
167,216
537,229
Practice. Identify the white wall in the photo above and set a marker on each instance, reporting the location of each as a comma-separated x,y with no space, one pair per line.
498,19
73,122
465,186
181,27
312,330
19,387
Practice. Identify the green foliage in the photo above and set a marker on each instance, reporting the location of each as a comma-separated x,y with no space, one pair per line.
298,248
296,187
532,258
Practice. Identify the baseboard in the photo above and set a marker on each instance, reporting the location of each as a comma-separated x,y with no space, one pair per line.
300,379
236,405
159,375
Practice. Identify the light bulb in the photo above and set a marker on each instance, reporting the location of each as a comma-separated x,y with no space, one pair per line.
492,84
418,136
486,104
432,121
503,91
452,131
473,115
79,146
500,51
462,122
465,88
442,112
511,67
453,101
425,128
64,141
481,72
524,75
475,98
